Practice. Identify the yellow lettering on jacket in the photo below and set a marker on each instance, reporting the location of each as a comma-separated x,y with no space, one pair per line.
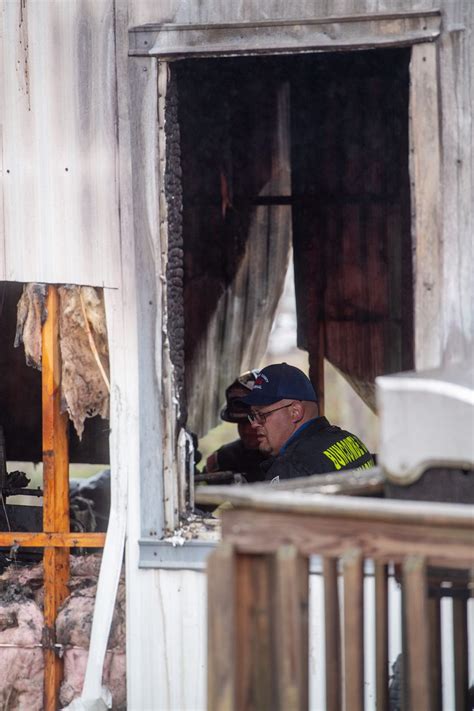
346,451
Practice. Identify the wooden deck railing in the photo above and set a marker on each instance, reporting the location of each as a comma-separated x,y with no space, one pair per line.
258,596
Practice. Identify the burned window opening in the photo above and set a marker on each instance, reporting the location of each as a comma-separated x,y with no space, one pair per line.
23,314
346,190
49,319
20,399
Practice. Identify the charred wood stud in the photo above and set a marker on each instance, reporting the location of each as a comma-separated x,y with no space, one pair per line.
56,494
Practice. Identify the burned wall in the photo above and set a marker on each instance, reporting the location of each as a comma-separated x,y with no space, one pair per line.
174,270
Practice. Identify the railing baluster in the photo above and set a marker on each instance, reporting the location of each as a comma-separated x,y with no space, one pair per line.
353,630
332,636
381,635
417,653
291,629
434,613
221,629
461,672
255,629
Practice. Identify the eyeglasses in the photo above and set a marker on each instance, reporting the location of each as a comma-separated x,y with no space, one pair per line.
261,417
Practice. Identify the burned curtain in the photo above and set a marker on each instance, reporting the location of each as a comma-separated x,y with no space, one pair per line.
235,162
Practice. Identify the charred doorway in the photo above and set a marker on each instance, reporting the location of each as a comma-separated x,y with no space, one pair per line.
309,150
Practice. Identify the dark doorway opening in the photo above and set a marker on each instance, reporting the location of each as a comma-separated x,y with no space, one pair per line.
309,150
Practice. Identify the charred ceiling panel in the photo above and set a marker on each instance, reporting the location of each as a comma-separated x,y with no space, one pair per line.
351,214
234,122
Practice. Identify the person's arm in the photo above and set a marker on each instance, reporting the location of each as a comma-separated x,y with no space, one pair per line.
212,463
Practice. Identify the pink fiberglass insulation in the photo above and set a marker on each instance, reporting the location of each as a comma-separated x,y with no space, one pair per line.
21,628
75,662
21,654
73,629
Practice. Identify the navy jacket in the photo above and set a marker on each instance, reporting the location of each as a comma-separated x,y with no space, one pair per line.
319,448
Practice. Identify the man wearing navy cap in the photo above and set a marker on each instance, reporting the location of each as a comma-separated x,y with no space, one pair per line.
284,414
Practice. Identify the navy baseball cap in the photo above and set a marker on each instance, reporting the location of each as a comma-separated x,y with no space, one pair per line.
280,382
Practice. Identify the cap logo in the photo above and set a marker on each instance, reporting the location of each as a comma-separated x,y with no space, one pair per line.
260,381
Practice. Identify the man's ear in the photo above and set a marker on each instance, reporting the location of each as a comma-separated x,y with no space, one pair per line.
297,411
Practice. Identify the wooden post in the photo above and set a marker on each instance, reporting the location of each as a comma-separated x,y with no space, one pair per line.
332,635
460,640
381,635
416,611
291,585
256,666
425,162
56,496
221,626
436,681
316,362
353,567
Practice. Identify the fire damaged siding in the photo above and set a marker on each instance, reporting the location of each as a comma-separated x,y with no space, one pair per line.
59,143
216,11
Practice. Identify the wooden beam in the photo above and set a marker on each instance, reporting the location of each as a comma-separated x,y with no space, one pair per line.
460,643
265,531
332,636
436,679
381,635
56,496
316,361
55,540
420,513
221,626
291,603
255,649
417,633
425,164
366,482
353,571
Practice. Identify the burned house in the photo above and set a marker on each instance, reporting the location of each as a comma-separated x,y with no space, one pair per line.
168,155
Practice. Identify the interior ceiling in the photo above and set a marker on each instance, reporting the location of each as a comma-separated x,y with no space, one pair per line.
347,186
20,399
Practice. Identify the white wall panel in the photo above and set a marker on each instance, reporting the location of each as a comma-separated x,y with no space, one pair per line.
59,142
210,11
166,645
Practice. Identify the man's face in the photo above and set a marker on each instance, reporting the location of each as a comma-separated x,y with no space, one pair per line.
277,427
248,435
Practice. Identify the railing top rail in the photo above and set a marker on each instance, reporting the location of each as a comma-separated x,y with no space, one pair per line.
304,501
